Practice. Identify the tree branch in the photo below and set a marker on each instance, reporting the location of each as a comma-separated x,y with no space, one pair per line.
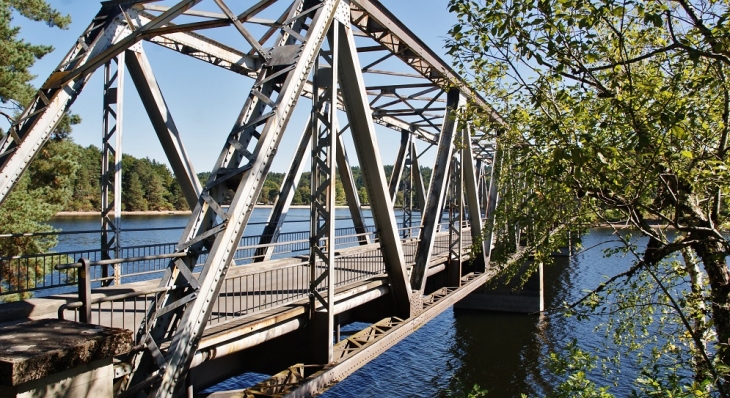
648,55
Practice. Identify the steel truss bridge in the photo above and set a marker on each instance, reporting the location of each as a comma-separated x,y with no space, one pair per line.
223,302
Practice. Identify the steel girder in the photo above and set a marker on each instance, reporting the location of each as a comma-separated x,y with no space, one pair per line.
111,164
418,179
491,203
352,87
178,316
456,218
391,37
407,182
164,125
322,206
368,15
32,129
372,18
431,215
398,166
205,49
284,73
470,177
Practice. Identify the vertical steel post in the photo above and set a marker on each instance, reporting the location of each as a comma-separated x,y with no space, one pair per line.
407,184
470,174
84,289
492,200
322,215
395,177
111,166
456,219
481,186
420,188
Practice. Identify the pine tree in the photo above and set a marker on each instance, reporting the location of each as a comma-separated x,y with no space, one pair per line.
133,194
17,55
37,195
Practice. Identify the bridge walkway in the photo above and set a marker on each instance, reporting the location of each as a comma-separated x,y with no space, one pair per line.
261,302
252,288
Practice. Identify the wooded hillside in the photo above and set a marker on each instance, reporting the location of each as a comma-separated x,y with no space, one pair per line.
149,185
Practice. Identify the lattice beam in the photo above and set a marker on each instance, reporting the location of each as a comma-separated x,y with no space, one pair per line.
111,165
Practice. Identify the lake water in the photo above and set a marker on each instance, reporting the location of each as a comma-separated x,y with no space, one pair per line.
502,353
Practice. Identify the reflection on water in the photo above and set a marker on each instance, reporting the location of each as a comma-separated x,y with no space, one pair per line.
506,354
502,353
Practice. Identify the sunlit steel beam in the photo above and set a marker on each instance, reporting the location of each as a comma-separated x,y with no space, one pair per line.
396,175
471,191
111,166
436,191
351,194
154,103
286,194
420,188
34,126
363,133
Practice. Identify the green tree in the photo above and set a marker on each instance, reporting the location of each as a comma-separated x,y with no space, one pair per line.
86,187
43,190
176,197
203,177
133,194
297,198
340,198
46,186
156,193
304,189
363,196
269,191
619,108
17,57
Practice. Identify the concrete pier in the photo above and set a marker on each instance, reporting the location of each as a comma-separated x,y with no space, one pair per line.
507,297
57,358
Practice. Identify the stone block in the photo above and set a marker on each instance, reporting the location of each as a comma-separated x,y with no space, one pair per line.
58,358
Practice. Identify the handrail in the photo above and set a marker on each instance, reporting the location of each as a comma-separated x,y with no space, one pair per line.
96,231
123,296
149,259
85,302
113,261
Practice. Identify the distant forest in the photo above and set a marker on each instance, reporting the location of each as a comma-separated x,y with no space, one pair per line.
149,185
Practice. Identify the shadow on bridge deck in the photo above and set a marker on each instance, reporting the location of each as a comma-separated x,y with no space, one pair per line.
260,321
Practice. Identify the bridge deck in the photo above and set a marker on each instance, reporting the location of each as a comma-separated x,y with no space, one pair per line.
247,290
351,353
261,302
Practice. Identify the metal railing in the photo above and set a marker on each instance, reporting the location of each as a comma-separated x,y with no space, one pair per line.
246,290
39,273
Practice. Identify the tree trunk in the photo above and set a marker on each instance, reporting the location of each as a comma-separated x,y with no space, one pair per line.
713,256
697,309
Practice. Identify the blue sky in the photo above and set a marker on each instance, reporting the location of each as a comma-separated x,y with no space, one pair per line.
204,100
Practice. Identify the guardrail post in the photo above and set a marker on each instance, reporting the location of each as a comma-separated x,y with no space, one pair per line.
84,285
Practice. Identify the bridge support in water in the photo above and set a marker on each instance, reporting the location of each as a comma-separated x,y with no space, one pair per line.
500,295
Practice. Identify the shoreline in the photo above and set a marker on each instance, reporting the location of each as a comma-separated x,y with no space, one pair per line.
64,214
71,214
